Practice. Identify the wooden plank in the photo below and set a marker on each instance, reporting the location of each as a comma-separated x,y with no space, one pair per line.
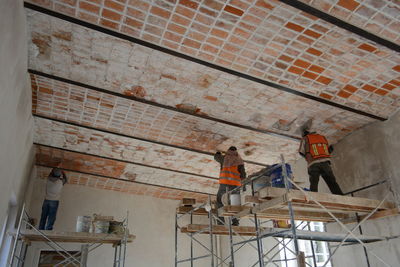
231,210
200,211
74,237
377,215
188,201
281,214
219,229
326,199
277,202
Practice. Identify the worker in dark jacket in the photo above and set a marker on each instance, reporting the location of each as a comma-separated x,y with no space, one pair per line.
55,182
232,172
316,150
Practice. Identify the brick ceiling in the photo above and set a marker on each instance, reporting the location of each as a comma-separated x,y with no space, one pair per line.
86,85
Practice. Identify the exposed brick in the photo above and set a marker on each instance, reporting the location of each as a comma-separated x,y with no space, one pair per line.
111,15
286,58
324,80
173,37
312,34
219,33
397,68
109,24
316,68
296,70
264,4
186,12
350,88
344,94
348,4
211,98
388,86
133,23
192,43
367,47
395,82
176,28
189,4
369,88
180,20
381,92
114,5
89,7
294,27
215,41
314,51
160,12
233,10
326,96
310,75
302,63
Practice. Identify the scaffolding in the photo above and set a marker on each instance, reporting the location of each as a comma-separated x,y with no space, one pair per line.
300,206
27,233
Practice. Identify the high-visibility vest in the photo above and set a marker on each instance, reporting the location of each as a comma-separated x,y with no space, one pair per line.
318,146
230,176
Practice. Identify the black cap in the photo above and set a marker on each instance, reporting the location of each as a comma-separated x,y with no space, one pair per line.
232,148
305,132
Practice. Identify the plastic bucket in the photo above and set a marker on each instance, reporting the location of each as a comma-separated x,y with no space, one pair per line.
101,227
235,200
83,223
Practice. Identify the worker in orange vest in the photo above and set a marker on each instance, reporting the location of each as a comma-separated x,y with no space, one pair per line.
232,172
316,150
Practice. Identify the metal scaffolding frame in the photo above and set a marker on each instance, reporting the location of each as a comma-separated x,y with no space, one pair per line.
289,235
17,258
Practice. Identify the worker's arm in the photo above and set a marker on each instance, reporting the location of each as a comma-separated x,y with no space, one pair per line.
218,157
64,178
302,150
242,172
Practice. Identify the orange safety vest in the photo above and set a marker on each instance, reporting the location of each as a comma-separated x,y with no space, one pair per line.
230,176
318,146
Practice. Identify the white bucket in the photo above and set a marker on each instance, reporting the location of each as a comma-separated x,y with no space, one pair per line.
83,223
101,227
235,200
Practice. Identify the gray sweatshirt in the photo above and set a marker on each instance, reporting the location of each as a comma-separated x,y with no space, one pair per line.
54,186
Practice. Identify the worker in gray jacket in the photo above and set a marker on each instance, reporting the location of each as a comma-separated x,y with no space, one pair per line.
55,182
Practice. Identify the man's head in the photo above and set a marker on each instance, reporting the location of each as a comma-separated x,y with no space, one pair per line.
232,148
57,172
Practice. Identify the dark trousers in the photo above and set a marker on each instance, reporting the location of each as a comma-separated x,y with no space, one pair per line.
49,212
223,188
323,169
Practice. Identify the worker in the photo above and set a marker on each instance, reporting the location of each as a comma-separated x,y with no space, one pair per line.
316,150
232,172
54,184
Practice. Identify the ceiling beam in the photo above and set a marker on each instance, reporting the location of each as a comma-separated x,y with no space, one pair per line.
196,60
155,104
341,24
126,161
136,138
128,181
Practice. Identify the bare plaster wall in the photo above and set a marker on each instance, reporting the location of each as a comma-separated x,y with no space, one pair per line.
151,219
365,157
16,124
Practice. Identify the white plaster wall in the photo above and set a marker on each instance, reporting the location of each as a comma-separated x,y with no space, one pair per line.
15,105
364,158
151,219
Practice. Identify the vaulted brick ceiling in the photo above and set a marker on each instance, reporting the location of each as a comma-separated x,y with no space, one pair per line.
153,87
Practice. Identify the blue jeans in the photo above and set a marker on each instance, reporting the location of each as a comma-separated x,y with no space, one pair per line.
49,212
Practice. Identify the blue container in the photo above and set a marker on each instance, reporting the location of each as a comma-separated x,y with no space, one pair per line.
276,174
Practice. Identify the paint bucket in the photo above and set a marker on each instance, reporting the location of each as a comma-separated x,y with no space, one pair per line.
235,200
101,227
83,223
